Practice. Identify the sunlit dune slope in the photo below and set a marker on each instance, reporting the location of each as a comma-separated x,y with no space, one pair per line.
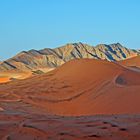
131,62
80,87
13,75
4,79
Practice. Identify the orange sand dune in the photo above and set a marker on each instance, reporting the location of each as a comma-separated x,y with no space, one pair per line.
4,79
131,62
79,87
13,75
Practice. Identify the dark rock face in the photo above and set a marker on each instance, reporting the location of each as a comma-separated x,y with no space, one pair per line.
52,58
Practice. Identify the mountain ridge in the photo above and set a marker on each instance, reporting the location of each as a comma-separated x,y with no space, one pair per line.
47,59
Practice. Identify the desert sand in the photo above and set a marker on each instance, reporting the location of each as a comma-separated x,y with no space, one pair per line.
82,99
21,126
4,79
8,76
131,62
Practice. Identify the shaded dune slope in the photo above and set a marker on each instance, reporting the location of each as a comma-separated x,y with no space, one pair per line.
80,87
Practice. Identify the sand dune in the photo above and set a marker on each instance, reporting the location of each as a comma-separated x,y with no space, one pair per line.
131,62
13,75
4,79
80,87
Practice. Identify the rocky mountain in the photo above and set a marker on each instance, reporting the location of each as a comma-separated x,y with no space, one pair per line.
46,59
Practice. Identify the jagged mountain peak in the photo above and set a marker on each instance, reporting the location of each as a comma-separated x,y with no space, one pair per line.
51,58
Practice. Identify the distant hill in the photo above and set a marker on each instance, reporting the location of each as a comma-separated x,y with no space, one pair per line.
47,59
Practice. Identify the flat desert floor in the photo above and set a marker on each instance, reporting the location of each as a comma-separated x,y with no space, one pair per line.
32,126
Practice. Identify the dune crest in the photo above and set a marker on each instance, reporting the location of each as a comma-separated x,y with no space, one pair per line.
131,62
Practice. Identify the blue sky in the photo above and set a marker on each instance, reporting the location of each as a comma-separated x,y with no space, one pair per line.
28,24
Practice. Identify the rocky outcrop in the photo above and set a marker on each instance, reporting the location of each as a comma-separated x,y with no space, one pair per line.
51,58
